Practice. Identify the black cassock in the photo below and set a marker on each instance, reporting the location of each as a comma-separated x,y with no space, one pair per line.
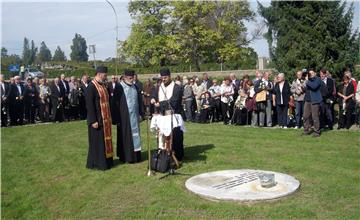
96,155
176,104
124,143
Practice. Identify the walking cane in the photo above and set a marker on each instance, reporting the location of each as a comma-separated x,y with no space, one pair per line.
149,173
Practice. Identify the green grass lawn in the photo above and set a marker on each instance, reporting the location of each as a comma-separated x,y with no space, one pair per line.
44,175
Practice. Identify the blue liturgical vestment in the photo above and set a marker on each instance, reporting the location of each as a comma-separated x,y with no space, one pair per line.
133,108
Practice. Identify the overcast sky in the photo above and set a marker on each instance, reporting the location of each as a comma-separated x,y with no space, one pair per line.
56,23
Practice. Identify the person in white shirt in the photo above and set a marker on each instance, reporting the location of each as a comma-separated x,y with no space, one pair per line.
215,91
227,92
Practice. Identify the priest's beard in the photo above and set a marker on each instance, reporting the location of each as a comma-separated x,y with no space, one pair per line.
166,83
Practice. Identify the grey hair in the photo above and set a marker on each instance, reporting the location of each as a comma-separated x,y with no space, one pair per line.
348,73
282,75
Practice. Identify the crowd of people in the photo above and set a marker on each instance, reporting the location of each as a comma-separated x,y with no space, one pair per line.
264,101
308,101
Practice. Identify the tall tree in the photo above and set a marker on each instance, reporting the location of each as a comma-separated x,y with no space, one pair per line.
26,54
212,31
147,43
59,55
187,31
79,49
44,53
33,52
4,52
311,34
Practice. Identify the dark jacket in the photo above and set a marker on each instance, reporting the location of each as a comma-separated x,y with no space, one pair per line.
31,96
285,94
14,93
175,100
314,86
328,89
5,93
269,88
350,103
66,88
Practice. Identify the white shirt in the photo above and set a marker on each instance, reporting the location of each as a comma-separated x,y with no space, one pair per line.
214,90
19,88
226,89
166,92
281,86
2,85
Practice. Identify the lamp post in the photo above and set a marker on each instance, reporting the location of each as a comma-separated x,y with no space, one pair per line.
117,36
92,50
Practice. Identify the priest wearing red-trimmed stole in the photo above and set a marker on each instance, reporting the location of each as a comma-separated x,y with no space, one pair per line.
128,110
100,155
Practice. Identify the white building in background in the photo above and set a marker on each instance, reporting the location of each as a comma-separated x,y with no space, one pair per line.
262,63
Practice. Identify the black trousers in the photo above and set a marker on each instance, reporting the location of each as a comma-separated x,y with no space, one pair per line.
282,114
326,117
217,110
16,111
189,110
30,112
345,119
178,143
225,112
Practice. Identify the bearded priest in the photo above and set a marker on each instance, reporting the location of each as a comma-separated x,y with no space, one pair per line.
100,155
128,112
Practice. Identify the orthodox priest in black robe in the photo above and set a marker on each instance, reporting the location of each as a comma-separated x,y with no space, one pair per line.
100,155
168,98
128,109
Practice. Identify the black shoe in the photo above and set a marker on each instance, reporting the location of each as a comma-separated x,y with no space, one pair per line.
316,135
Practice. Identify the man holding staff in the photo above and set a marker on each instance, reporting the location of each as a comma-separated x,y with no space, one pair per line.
168,98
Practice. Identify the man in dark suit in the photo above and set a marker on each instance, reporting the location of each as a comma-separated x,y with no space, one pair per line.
57,100
5,89
16,104
66,87
327,91
83,85
206,83
31,96
111,87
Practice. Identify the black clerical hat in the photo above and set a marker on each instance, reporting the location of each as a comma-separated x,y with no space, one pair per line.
101,69
129,72
165,72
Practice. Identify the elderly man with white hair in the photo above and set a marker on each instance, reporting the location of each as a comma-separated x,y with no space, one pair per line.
16,105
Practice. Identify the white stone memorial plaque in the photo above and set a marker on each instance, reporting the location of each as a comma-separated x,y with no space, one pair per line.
241,185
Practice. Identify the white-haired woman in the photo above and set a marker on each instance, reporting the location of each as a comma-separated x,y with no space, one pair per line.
281,98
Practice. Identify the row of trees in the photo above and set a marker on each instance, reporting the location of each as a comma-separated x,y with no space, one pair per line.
192,32
32,54
311,34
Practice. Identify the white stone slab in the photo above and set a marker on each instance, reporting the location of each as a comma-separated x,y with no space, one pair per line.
240,185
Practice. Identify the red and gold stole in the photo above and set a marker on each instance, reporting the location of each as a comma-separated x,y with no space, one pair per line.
106,117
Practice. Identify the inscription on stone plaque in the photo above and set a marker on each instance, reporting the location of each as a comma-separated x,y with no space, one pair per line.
238,180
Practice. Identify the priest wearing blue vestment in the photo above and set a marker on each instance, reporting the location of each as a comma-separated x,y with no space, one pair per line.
127,104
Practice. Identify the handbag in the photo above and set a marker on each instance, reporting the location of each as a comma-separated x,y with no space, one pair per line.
160,161
261,96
